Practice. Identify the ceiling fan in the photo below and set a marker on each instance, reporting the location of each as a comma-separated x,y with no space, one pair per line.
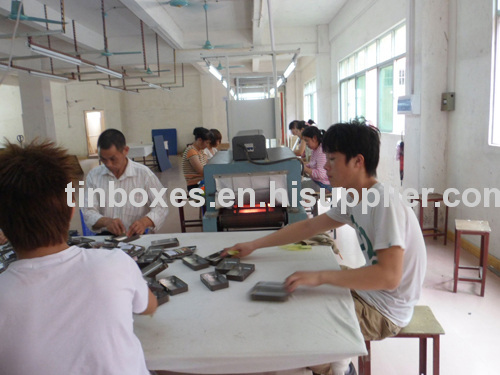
220,67
150,71
207,44
17,12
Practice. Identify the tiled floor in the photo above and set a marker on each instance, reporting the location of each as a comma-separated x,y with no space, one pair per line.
471,342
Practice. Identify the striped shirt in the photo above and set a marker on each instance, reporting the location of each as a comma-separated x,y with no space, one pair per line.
135,176
192,177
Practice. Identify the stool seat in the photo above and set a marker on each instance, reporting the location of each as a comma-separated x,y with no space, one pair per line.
423,325
437,200
472,227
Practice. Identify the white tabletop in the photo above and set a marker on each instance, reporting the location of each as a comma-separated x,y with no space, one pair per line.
139,150
225,332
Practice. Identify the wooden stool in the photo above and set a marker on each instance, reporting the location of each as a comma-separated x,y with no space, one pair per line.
423,325
438,202
191,222
475,227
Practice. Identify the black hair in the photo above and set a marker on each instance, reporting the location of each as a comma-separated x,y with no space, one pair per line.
311,122
111,137
34,211
354,138
298,124
215,136
202,133
313,131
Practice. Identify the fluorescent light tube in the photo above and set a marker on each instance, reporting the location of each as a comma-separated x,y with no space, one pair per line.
153,86
289,69
47,75
55,55
224,83
212,69
108,71
280,82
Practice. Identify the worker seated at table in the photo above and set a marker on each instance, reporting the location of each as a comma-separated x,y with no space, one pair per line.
131,218
387,288
194,158
315,168
63,310
296,127
215,140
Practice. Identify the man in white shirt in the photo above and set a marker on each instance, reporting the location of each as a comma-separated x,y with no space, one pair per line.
63,310
122,173
387,288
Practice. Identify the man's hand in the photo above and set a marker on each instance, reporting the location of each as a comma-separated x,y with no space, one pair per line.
240,250
139,226
114,226
303,278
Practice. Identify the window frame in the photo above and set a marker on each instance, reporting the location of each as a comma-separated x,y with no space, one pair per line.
345,75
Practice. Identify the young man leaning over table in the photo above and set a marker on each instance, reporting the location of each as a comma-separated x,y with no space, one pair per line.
63,310
387,288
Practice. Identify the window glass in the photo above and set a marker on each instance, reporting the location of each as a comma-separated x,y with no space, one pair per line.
350,66
360,60
400,41
385,48
386,99
371,55
351,99
361,96
371,80
343,101
371,94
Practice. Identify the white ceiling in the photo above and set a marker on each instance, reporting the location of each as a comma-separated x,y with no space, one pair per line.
239,29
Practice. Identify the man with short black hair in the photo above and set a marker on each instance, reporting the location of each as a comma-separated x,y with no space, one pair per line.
387,288
63,310
128,175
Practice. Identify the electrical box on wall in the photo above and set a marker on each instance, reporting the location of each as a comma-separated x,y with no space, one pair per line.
447,101
409,105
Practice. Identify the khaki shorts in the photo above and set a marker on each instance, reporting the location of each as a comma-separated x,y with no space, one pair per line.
374,325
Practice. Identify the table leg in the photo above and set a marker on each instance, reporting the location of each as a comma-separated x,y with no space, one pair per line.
457,259
435,220
435,355
423,356
484,260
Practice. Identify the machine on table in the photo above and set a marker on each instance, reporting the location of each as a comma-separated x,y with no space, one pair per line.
279,166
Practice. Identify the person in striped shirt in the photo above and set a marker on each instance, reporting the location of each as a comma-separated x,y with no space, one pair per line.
194,158
132,217
315,169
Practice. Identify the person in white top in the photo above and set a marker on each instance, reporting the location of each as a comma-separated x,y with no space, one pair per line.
387,288
63,310
215,139
132,217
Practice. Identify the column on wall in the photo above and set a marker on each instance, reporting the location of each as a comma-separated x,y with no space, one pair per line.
426,134
38,114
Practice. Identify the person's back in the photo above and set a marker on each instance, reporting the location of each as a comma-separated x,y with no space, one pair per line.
70,313
63,310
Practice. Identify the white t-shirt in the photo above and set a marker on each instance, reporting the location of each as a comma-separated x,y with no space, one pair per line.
380,228
210,154
71,313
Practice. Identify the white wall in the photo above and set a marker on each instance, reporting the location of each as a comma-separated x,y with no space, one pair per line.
471,162
354,27
11,122
452,53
